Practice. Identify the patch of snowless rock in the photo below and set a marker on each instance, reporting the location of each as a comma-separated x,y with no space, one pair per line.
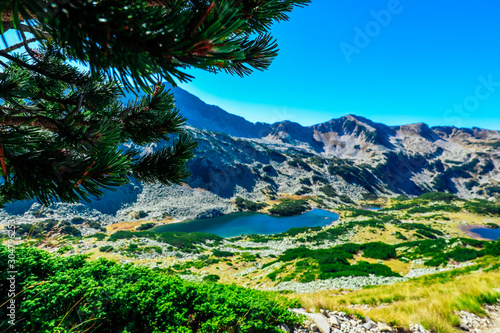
416,272
178,202
158,201
339,322
58,211
470,322
350,282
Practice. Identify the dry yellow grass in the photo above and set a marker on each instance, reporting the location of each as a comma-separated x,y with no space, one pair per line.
365,234
431,303
470,218
394,264
123,226
230,271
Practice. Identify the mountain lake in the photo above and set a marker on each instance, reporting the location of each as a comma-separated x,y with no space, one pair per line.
487,233
238,224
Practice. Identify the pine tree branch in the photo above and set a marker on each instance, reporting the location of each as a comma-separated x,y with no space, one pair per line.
34,31
39,121
19,45
28,49
32,67
67,101
20,109
209,9
76,109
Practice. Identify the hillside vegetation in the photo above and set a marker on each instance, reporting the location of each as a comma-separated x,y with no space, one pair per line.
407,262
71,294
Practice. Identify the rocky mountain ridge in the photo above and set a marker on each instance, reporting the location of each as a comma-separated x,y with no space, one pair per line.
340,161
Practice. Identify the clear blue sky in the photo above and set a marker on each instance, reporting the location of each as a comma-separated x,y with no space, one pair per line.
432,62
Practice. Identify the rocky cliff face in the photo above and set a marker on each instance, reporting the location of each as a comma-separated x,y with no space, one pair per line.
353,155
341,160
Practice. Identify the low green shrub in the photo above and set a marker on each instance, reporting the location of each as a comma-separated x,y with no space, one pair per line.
65,228
492,248
269,169
351,248
379,250
249,205
49,226
77,220
212,278
122,234
94,225
422,229
303,190
295,231
436,262
439,196
318,179
248,257
435,208
483,207
327,234
65,248
329,191
222,254
346,199
439,251
463,254
145,226
181,240
332,262
469,185
290,207
399,235
370,196
106,248
156,249
317,161
149,300
99,236
305,181
298,163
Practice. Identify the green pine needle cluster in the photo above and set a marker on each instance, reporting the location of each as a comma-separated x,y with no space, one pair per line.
64,133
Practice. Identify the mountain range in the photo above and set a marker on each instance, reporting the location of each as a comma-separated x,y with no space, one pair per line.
407,159
343,160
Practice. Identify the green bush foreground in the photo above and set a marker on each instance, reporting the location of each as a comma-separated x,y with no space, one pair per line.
63,294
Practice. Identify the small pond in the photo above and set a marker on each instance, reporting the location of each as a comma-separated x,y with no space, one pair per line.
488,233
238,224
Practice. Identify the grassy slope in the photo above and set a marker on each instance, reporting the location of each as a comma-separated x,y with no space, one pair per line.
429,300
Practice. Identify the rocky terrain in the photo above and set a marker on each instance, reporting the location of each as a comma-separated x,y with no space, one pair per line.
339,322
353,155
407,250
470,322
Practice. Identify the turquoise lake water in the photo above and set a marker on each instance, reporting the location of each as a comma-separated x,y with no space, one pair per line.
487,233
238,224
